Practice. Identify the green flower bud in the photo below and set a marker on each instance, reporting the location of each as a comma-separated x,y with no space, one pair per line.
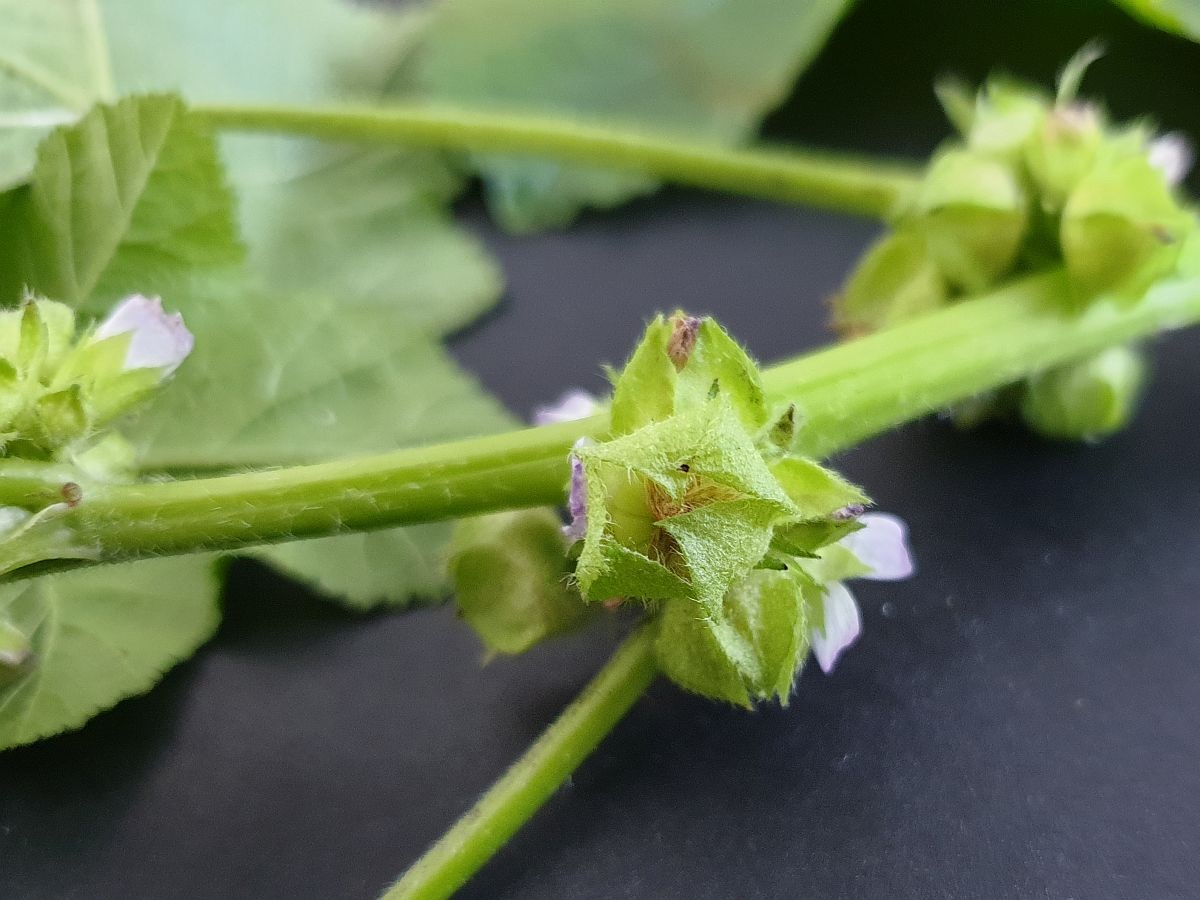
1121,227
972,213
511,575
56,390
1007,114
1086,400
896,280
1062,151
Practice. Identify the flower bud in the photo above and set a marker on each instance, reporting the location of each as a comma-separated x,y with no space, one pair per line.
1007,114
1086,400
511,579
972,213
896,280
57,390
1062,151
1121,227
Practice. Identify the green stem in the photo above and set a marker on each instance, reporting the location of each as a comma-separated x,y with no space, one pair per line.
522,790
864,187
846,393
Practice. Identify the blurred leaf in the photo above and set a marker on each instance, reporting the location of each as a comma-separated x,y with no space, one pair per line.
1177,16
101,635
390,217
52,68
705,70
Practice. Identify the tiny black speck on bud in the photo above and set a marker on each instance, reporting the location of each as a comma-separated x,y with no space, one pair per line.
683,340
684,467
71,493
846,513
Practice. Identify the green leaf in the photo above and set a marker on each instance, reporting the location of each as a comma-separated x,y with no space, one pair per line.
129,195
389,238
706,71
101,635
1178,16
282,379
53,66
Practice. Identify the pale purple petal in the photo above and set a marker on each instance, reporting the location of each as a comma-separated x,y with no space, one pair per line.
843,624
577,499
882,546
574,404
1172,155
157,340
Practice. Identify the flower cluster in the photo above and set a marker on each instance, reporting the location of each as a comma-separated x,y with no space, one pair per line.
696,506
1034,182
58,389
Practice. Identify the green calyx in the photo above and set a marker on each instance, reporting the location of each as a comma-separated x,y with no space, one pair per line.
697,507
1032,181
511,579
58,390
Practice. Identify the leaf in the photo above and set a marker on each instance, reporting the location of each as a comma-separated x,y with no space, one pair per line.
1177,16
702,70
131,194
391,205
388,239
53,66
101,635
266,386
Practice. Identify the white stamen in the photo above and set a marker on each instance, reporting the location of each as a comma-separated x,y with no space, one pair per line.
1172,155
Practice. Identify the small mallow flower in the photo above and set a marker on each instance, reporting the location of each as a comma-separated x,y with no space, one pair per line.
157,340
882,547
574,404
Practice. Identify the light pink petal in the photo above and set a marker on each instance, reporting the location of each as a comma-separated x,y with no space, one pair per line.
882,546
577,500
843,624
574,404
1172,155
157,340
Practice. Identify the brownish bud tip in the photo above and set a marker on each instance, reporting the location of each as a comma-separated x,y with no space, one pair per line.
683,340
71,493
846,513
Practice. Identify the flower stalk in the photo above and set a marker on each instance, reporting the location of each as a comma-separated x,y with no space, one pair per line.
828,180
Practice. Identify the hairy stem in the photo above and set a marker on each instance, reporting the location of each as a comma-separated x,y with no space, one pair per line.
845,394
832,181
522,790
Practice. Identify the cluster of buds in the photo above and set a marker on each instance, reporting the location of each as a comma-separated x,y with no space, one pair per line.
697,506
1031,182
60,387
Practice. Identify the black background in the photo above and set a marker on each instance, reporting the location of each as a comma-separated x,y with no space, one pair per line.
1019,720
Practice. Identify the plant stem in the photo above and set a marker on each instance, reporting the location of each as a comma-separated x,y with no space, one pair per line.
845,393
522,790
833,181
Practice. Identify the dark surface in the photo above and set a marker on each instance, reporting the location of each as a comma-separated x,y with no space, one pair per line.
1020,720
